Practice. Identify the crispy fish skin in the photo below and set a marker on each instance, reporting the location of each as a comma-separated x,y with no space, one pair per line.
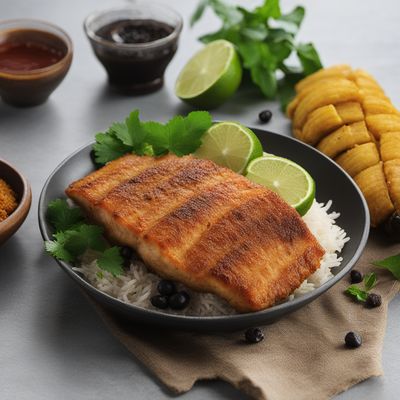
203,225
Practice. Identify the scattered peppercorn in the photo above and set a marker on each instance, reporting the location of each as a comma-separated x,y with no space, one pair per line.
253,335
356,276
160,301
353,340
179,301
265,116
166,288
373,300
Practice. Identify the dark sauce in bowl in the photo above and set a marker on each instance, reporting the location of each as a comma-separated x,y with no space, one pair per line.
135,52
135,31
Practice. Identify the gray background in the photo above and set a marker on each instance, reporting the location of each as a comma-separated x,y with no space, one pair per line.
52,344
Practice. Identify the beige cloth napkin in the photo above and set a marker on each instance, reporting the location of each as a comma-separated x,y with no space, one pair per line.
301,357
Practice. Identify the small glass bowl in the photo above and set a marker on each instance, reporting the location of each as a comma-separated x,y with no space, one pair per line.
135,68
33,87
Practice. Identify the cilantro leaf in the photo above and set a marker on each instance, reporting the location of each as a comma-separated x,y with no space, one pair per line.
370,281
295,17
57,250
74,237
61,216
229,14
85,237
184,134
308,57
181,135
270,8
157,135
108,147
391,264
355,291
198,13
265,79
111,261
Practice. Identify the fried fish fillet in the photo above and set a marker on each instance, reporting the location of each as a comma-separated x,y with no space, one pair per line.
203,225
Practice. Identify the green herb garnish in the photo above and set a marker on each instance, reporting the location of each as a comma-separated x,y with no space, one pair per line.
391,264
369,281
73,237
265,39
180,135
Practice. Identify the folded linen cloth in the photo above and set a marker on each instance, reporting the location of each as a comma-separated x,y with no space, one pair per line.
302,356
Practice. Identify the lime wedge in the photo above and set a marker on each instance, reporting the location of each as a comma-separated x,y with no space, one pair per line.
292,182
231,145
211,76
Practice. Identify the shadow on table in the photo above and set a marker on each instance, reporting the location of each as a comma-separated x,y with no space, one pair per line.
45,115
70,328
12,257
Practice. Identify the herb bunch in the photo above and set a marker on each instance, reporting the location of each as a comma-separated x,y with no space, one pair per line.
180,135
73,237
265,39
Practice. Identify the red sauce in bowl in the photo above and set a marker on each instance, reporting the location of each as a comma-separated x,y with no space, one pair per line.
29,50
27,56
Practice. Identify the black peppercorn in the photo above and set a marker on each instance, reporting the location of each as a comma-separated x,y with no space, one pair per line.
353,340
159,301
166,288
179,301
373,300
265,116
253,335
356,276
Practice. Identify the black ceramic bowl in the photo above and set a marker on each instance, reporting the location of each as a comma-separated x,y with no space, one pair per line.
332,184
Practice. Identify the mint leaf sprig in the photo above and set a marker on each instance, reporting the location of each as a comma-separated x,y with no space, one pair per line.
73,237
370,280
391,264
180,135
265,38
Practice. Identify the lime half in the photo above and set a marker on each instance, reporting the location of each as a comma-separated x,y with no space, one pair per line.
292,182
231,145
211,76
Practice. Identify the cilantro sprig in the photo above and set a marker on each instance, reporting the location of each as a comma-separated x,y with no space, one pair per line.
73,237
180,135
370,280
265,39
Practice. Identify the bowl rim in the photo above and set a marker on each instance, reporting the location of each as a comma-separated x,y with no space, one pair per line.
132,46
188,319
66,39
24,202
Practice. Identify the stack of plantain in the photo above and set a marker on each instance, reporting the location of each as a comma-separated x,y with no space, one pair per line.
347,116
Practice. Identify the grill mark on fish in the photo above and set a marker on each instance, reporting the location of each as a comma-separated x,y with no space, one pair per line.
174,192
258,217
197,214
127,190
105,179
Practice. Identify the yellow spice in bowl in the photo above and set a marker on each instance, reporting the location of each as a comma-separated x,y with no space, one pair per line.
8,201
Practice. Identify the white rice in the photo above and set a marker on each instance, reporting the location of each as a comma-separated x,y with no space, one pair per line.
137,285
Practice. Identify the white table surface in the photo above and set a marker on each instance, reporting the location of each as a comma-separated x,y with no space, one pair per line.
52,344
